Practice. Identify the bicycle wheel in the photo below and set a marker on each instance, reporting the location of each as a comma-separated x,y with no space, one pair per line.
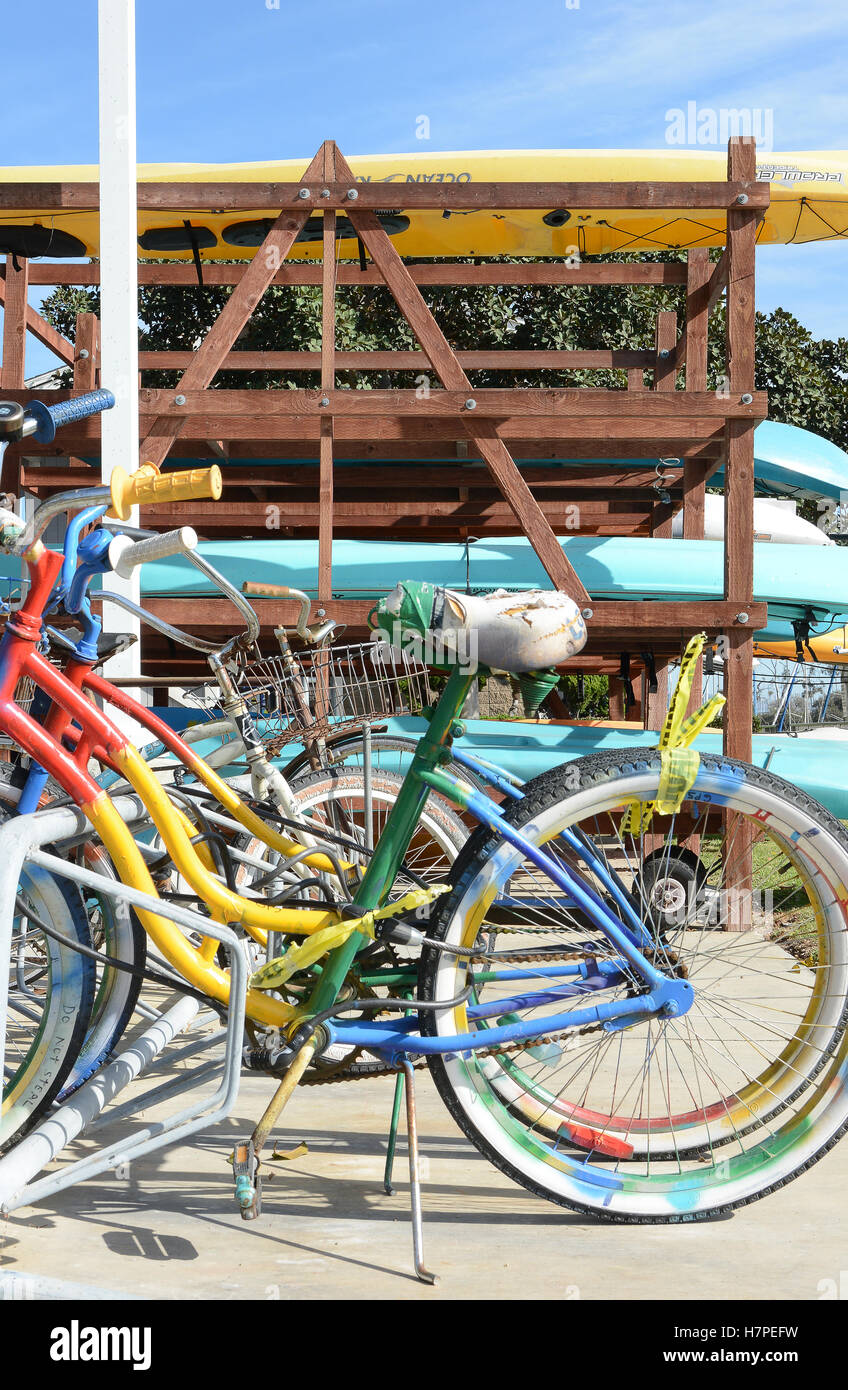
676,1118
390,753
115,930
51,992
336,800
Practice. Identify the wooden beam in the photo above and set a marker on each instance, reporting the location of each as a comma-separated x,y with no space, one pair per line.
635,379
694,494
626,620
392,478
562,403
412,361
47,198
427,273
249,517
13,369
655,702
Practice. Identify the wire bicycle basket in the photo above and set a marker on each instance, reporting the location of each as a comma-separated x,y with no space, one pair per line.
331,690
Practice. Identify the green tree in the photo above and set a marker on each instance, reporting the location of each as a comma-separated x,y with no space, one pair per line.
806,378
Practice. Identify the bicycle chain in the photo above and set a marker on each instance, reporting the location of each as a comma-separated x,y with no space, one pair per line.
385,1069
368,1071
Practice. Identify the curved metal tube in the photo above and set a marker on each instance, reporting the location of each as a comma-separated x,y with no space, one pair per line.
229,591
186,639
62,502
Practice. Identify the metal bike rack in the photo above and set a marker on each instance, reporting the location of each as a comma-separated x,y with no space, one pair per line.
21,840
92,1106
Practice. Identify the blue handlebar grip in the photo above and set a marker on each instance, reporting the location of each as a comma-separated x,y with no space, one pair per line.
52,417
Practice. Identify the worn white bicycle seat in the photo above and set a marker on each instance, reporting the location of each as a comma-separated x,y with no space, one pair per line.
504,631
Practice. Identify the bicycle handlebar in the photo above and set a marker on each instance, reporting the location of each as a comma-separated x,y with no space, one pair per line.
126,554
50,418
147,485
314,634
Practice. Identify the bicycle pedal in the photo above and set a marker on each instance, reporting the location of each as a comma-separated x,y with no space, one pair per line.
248,1182
287,1155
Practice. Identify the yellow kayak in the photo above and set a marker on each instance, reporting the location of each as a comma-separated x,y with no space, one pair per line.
829,647
809,192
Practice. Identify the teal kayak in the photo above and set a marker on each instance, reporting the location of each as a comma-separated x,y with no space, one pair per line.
816,765
527,750
795,580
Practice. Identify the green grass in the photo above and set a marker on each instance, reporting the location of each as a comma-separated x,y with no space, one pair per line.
794,927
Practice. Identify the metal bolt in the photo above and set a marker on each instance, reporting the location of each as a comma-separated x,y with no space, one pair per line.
325,400
303,193
742,618
84,352
747,398
742,197
671,1008
321,613
352,195
179,400
471,404
325,192
664,352
587,613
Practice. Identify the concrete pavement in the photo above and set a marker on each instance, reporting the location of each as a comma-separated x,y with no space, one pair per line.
170,1230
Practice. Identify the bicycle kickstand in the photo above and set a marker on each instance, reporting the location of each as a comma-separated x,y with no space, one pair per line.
423,1273
392,1140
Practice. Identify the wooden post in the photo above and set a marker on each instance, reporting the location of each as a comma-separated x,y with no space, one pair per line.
616,698
328,381
666,342
12,371
698,272
86,352
655,703
739,521
739,462
694,493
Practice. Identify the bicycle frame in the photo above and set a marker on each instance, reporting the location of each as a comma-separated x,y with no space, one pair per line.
74,731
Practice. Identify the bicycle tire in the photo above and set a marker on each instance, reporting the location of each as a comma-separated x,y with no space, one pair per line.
796,1123
47,1045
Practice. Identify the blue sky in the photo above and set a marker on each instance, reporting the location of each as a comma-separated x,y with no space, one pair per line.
245,80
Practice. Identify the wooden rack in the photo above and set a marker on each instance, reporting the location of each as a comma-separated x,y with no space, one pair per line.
475,442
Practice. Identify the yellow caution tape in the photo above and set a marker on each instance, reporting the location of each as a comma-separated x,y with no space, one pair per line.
275,973
679,763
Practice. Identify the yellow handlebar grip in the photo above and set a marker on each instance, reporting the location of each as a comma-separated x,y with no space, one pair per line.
147,485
